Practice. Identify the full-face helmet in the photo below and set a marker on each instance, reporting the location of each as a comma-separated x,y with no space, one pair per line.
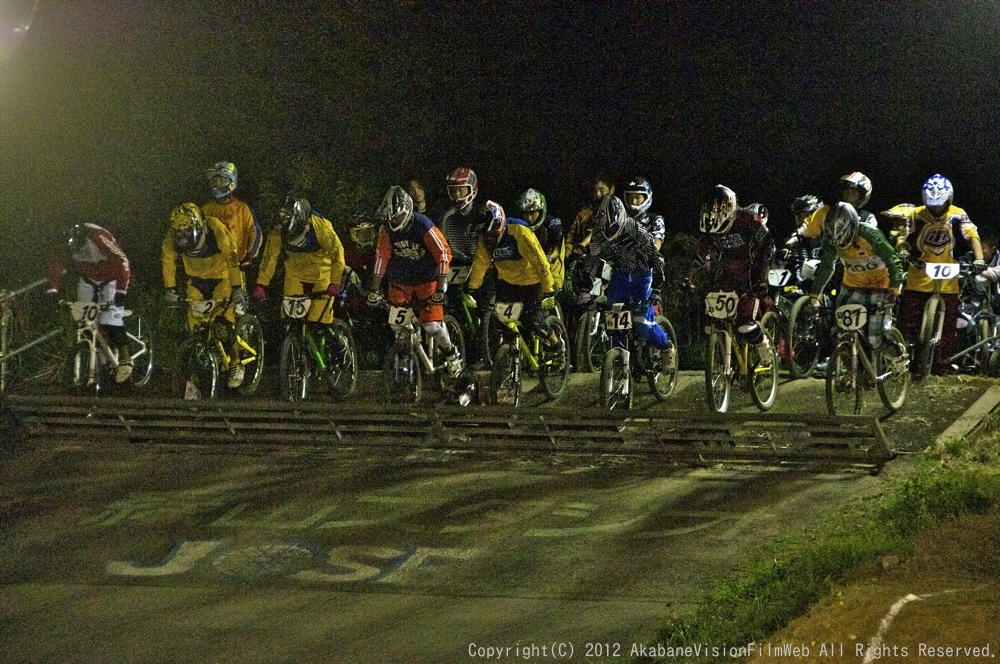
533,201
492,224
396,210
76,237
719,211
362,229
760,210
293,218
859,181
609,220
636,188
462,187
938,194
222,179
841,224
187,227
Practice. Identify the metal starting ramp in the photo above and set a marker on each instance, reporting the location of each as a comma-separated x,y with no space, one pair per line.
763,439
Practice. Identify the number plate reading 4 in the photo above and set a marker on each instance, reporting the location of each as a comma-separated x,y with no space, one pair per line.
618,320
721,304
852,316
85,311
508,311
400,316
941,270
295,307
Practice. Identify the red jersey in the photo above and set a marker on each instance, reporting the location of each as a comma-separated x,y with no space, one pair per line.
100,259
740,254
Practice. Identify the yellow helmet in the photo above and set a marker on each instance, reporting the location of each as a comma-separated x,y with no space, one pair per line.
187,225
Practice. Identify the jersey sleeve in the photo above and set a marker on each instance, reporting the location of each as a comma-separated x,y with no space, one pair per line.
168,260
532,252
331,245
269,261
118,264
481,262
383,253
439,249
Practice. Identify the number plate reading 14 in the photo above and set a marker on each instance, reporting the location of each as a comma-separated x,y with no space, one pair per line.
508,311
85,311
295,307
721,304
619,319
852,316
941,270
400,316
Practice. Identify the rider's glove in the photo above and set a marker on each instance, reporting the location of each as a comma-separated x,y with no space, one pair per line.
549,302
580,251
239,297
351,278
814,301
979,266
51,290
171,297
374,299
334,290
119,299
904,257
438,297
470,300
259,292
783,254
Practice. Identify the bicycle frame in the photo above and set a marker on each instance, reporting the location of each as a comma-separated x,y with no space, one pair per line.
407,328
88,332
530,352
205,326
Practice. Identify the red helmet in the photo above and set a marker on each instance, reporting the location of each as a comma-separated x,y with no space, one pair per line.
462,186
492,224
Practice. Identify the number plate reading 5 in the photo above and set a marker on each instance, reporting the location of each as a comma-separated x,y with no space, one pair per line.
852,316
459,274
295,307
941,270
400,316
618,320
508,311
721,304
85,312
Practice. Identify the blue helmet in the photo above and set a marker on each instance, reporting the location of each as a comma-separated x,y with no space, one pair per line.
223,169
938,192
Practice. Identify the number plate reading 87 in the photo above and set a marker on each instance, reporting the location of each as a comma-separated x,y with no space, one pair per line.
295,307
941,270
618,319
508,311
400,317
85,312
721,304
851,316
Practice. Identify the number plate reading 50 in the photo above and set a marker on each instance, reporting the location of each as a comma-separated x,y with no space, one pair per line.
721,304
941,270
852,316
295,307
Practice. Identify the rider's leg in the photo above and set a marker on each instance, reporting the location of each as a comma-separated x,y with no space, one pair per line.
949,335
748,315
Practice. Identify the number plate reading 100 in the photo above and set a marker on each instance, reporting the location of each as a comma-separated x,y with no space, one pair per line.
618,319
852,316
295,307
721,304
941,270
508,311
400,316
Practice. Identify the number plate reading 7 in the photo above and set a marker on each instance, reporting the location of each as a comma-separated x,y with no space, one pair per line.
295,307
459,274
852,316
508,311
84,311
941,270
617,320
721,304
400,316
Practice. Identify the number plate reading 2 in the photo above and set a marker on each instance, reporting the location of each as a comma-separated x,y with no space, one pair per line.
852,316
459,274
941,270
85,312
400,316
203,307
295,306
618,320
721,304
508,311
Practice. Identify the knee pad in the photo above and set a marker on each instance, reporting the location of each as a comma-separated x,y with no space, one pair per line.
437,330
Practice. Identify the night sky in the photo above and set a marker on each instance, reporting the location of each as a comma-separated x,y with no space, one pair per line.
111,111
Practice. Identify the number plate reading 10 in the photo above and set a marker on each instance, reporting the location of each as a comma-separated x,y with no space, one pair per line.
508,311
295,307
620,319
852,316
400,316
85,311
721,304
941,270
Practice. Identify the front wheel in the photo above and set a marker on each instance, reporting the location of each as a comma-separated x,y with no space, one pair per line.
763,379
78,371
663,380
616,381
505,376
592,342
928,344
197,373
141,343
803,341
490,336
250,336
403,376
771,324
718,382
892,367
293,370
554,367
341,358
844,395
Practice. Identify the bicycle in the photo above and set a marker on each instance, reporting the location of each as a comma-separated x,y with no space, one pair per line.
592,343
810,334
784,291
93,359
478,328
621,363
731,360
328,354
205,354
414,354
978,324
855,367
552,367
932,323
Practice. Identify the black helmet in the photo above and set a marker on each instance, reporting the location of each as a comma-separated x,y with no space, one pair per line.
638,186
76,237
805,204
293,217
718,211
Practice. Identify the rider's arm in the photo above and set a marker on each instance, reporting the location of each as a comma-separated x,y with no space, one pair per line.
56,267
480,263
827,262
168,258
440,251
331,247
254,233
884,250
531,250
272,251
230,253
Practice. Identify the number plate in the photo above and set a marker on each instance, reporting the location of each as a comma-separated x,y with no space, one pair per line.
508,311
852,316
721,304
203,308
618,319
85,312
779,278
295,306
400,316
459,274
941,270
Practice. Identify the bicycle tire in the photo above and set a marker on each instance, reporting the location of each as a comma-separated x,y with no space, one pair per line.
984,329
771,323
77,368
802,342
663,385
197,373
554,372
844,395
249,329
894,386
616,381
592,342
142,364
293,369
718,384
763,382
341,372
403,376
505,377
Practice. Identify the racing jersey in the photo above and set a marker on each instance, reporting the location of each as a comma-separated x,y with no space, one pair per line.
242,223
741,253
318,258
459,229
518,257
581,228
870,263
413,255
550,235
217,259
936,240
634,250
100,259
813,225
653,223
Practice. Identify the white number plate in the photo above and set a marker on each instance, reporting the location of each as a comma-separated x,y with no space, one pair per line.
400,316
85,311
721,304
779,278
203,307
618,319
459,274
941,270
508,311
852,316
295,306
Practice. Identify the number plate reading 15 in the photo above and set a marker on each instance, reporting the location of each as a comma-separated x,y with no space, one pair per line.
852,316
400,316
941,270
459,274
85,311
721,304
295,306
508,311
618,319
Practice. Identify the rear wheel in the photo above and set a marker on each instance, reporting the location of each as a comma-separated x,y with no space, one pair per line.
293,371
982,355
554,369
763,380
616,379
249,330
341,358
663,382
141,341
197,373
892,364
844,395
802,342
505,377
718,383
403,376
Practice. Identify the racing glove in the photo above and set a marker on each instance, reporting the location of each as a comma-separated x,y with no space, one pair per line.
549,302
334,290
259,292
120,299
438,297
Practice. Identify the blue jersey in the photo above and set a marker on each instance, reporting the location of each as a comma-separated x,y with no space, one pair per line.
413,255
